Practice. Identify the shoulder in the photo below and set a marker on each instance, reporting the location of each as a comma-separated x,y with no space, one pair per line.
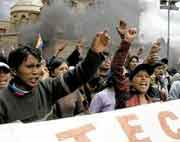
4,92
176,84
107,91
5,95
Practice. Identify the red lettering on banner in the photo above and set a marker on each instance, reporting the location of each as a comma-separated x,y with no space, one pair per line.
131,130
78,133
162,119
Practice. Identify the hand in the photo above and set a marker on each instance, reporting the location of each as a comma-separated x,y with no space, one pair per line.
80,44
156,47
61,47
152,58
122,28
140,51
130,35
80,47
100,42
155,57
163,94
154,52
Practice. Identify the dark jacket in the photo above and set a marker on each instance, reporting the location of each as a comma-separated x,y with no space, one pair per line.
36,104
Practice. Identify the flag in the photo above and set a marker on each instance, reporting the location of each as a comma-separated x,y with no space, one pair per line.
39,42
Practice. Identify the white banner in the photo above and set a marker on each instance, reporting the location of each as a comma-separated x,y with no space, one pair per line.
158,122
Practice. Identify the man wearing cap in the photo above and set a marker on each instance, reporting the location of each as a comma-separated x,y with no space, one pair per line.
158,79
4,73
125,92
106,99
136,89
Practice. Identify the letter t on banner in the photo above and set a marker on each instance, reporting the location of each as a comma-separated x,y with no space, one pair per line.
78,133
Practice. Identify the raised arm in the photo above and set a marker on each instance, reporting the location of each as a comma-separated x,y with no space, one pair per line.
153,54
73,79
121,54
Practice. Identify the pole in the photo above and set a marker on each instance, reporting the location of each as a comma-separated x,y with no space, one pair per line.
168,36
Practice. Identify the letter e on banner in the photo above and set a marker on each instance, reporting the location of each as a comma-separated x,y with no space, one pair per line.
162,119
131,131
78,133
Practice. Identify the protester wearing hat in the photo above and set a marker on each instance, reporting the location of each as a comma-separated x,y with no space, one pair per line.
27,98
106,100
5,75
167,75
158,79
136,89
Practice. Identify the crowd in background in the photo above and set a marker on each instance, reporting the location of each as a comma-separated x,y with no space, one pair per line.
34,89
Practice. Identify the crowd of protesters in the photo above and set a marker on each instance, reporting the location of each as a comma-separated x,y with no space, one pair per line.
33,89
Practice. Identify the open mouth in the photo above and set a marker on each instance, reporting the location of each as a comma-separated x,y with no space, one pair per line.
4,82
143,85
34,80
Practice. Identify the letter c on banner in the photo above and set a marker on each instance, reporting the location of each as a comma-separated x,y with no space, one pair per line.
165,126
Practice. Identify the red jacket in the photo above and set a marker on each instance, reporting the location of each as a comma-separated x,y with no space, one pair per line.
120,79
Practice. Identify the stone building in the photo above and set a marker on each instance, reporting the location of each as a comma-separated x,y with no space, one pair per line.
22,12
25,12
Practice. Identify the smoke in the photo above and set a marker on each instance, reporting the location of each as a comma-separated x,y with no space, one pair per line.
59,20
105,15
28,34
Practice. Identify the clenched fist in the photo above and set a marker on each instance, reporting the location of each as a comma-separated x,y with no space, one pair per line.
100,42
122,28
130,35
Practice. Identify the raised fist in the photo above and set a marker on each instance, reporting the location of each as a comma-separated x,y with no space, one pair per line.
80,44
100,42
140,51
122,28
60,47
130,35
155,47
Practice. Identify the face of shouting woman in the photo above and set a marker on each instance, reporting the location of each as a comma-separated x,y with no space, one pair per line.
141,82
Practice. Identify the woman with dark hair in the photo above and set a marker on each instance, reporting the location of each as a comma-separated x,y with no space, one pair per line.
131,64
66,106
57,66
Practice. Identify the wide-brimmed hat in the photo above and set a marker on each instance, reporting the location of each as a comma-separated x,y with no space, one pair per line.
157,64
145,67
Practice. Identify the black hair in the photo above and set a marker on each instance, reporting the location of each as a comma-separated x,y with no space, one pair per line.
130,59
172,71
17,56
55,62
164,60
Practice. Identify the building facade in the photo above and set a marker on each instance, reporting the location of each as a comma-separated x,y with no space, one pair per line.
21,13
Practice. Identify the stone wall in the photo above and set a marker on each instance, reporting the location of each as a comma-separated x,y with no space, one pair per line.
8,42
